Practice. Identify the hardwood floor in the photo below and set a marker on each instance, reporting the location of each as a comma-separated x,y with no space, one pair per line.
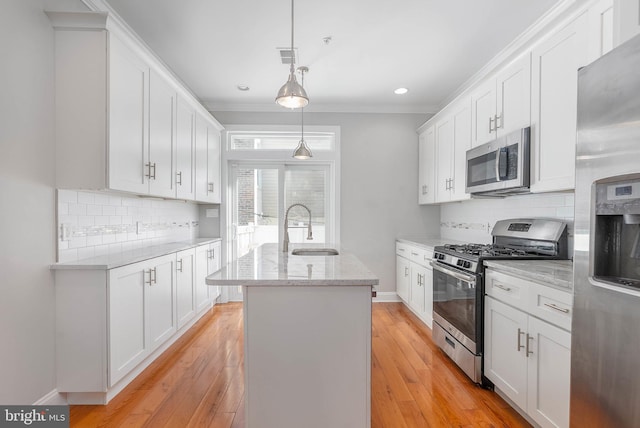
198,382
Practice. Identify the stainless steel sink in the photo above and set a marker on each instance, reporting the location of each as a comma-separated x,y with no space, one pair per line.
314,252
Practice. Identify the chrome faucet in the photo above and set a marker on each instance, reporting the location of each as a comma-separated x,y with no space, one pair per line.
285,241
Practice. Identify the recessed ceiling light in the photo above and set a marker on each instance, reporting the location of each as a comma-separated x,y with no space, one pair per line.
243,88
401,91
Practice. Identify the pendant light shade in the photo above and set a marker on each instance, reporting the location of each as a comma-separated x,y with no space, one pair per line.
302,151
292,94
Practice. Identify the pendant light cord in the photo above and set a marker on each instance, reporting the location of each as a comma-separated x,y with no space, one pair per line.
292,51
302,112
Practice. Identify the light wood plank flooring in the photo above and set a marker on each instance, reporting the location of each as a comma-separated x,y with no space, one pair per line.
198,382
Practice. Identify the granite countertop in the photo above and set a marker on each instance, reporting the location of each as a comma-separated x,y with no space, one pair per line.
427,241
267,265
556,273
114,260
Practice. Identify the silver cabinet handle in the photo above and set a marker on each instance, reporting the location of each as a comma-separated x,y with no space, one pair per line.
499,117
148,166
155,275
151,166
529,337
179,178
491,125
557,308
451,184
144,274
179,269
211,254
210,188
406,271
520,333
502,287
414,254
401,249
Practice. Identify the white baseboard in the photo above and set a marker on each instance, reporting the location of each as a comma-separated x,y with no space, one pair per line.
386,296
53,398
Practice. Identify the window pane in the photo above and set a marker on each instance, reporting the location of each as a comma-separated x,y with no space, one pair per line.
307,187
320,141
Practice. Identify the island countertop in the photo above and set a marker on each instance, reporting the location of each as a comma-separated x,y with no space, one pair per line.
268,265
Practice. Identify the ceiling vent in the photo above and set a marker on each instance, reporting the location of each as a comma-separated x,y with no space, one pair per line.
286,55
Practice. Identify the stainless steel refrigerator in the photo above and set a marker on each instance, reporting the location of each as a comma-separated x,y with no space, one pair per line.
605,348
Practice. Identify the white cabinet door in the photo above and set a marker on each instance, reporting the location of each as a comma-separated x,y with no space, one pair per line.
444,158
554,99
201,146
202,270
428,296
626,20
417,289
162,98
185,276
426,166
505,360
160,301
601,28
215,259
185,150
127,345
214,187
514,96
461,143
483,112
549,366
403,272
128,119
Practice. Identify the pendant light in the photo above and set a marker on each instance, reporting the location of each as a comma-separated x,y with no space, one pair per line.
291,94
302,151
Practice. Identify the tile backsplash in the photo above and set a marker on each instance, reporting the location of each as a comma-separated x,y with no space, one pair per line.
472,220
94,223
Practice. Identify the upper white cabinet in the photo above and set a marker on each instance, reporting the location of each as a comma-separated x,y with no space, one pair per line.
426,166
123,122
554,80
601,24
207,146
453,139
503,103
626,20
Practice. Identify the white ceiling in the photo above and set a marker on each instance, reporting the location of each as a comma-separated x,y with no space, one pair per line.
429,46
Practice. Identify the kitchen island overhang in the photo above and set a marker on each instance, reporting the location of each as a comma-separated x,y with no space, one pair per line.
307,337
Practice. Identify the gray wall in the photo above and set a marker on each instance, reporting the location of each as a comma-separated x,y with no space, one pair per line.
27,225
379,180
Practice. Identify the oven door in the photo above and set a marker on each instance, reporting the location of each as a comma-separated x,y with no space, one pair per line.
456,304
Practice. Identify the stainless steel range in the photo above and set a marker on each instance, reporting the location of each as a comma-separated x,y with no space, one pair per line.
458,287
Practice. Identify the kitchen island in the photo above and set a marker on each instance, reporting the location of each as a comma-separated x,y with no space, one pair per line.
307,337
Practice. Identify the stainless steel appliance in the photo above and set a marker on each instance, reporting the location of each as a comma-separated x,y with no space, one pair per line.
605,345
500,167
458,288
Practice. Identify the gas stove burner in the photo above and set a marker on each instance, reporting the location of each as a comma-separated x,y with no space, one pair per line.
484,250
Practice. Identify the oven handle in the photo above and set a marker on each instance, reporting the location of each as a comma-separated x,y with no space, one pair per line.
458,275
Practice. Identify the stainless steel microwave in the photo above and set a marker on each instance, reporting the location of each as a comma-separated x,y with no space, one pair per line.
500,167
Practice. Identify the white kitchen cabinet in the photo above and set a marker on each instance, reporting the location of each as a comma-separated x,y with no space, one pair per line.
626,20
426,166
160,166
141,312
502,104
403,276
453,139
208,149
527,346
554,96
185,286
208,261
119,125
601,28
414,279
185,150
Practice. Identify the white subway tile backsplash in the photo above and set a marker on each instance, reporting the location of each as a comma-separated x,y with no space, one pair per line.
98,223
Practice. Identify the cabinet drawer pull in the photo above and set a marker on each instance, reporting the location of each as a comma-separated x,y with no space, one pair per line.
529,337
557,308
414,254
144,274
179,269
502,287
401,249
520,333
179,178
491,125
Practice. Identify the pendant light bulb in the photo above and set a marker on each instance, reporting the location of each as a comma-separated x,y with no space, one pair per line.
292,94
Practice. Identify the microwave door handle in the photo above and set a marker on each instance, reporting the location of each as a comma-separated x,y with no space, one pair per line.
502,158
498,156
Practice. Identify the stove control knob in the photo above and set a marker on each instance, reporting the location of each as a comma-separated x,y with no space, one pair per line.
467,265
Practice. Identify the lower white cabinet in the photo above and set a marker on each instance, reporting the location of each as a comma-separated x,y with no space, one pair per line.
185,286
207,262
112,323
414,279
527,358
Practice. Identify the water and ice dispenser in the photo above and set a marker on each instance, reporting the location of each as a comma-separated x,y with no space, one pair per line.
617,231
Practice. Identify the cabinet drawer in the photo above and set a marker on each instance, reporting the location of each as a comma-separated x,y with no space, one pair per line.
402,249
507,289
420,255
551,305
